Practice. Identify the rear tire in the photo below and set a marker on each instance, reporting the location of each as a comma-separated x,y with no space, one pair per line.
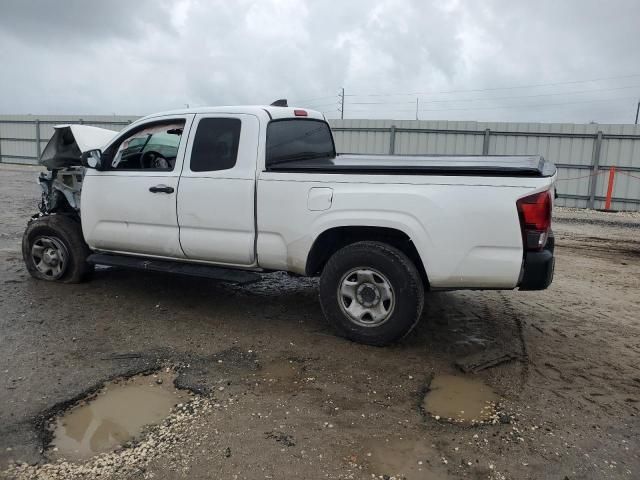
54,249
371,293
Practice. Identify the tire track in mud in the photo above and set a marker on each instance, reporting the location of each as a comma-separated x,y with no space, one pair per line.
598,244
524,351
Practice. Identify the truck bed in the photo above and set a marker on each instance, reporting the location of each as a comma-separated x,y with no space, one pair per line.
476,165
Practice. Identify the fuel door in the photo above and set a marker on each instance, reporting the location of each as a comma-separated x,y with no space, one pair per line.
319,198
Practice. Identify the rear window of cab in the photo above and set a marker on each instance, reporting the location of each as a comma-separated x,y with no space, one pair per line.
295,139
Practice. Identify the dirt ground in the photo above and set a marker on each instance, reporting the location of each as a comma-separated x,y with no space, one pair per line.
281,397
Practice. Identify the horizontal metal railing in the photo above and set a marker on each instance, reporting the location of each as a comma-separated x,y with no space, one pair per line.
391,133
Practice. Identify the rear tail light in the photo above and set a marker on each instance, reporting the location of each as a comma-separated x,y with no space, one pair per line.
300,113
535,219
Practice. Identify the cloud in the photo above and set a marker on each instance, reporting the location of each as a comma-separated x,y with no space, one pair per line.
49,23
84,57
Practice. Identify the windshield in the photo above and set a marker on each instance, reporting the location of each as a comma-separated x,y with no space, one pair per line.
297,139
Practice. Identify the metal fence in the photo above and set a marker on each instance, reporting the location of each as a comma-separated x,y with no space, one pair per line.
584,154
22,137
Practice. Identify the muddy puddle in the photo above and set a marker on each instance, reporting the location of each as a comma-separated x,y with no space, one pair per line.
282,375
460,399
114,415
280,371
410,459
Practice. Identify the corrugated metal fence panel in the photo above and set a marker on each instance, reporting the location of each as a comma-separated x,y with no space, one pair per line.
621,153
361,136
17,140
570,146
441,143
19,133
565,150
532,140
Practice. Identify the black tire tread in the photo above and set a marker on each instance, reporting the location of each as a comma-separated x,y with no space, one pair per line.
69,231
395,328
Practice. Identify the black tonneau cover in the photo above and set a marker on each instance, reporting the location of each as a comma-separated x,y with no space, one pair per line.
476,165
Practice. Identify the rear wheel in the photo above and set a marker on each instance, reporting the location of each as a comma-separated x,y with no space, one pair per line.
371,293
54,249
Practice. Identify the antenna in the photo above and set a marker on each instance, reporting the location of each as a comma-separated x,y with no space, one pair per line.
280,103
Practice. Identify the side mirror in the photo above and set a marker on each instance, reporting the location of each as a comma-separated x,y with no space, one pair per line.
92,159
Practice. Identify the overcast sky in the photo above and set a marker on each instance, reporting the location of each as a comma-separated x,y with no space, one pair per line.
499,60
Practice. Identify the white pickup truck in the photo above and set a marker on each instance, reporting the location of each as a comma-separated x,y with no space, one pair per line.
230,192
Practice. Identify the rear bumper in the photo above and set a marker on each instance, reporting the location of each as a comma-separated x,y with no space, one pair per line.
537,269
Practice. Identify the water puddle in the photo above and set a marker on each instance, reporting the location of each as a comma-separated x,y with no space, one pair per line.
280,371
116,414
409,459
460,399
282,375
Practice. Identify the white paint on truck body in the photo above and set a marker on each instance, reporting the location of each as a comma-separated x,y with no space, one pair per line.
465,229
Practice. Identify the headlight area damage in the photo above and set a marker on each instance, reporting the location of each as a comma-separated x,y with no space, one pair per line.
62,183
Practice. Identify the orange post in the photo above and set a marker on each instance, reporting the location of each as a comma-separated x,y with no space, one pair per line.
612,174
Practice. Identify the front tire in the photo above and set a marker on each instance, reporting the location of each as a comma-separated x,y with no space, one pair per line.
54,249
371,293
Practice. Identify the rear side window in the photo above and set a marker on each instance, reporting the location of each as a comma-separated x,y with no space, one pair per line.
297,139
215,146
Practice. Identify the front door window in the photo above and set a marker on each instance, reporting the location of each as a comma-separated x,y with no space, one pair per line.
153,147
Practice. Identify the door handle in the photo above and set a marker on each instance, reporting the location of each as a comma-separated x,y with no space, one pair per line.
161,189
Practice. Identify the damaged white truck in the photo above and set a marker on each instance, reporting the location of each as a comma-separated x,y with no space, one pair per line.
232,192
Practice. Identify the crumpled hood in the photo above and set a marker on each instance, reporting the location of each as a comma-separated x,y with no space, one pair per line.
69,142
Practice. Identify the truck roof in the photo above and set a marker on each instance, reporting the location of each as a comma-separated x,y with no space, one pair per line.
259,110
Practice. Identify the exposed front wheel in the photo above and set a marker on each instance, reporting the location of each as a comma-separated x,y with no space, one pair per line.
54,249
371,293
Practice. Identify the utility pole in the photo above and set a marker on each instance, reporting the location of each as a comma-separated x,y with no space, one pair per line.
341,95
637,111
417,106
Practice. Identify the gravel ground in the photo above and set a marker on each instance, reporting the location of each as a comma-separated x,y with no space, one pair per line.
278,396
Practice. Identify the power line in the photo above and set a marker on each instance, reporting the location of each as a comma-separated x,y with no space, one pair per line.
533,85
530,105
312,99
323,105
499,98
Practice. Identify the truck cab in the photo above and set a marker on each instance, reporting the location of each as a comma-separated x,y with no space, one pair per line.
186,193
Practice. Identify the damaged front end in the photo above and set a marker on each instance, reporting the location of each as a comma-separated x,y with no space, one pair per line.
61,184
61,190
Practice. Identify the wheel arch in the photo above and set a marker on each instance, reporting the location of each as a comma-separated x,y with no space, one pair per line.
333,239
